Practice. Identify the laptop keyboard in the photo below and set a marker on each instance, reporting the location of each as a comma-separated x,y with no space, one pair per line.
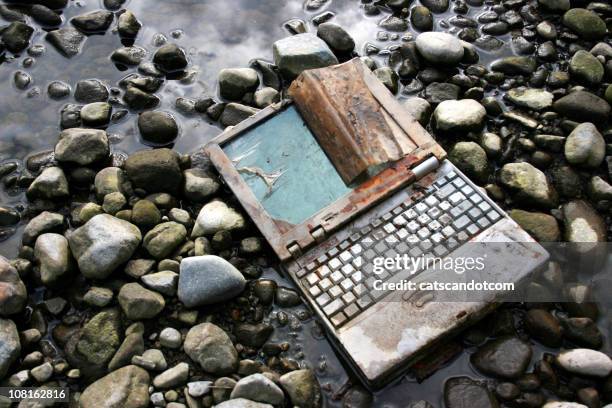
447,214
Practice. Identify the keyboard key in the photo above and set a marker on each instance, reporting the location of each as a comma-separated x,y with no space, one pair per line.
339,319
364,301
399,221
323,299
356,249
410,214
346,257
312,279
389,228
324,271
336,277
461,222
311,266
347,270
348,298
335,291
334,264
421,207
456,198
351,310
314,291
325,284
333,307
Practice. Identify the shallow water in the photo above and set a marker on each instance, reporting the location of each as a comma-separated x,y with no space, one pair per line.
216,34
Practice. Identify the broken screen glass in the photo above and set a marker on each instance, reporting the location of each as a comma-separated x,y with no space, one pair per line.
285,168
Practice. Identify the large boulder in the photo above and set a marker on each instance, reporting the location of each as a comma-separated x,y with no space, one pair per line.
208,279
529,185
585,23
102,244
301,52
212,349
585,67
100,338
127,387
10,346
13,293
585,146
155,170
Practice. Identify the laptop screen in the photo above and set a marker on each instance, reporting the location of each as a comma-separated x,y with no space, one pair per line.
285,168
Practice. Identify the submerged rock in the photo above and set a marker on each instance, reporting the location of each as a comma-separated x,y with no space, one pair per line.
16,37
170,58
128,25
50,184
157,127
336,38
93,22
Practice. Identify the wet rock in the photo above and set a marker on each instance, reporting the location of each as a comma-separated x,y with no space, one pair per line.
128,56
22,79
506,357
542,227
217,216
172,377
529,185
16,37
10,347
585,362
82,146
96,114
93,22
336,38
440,48
90,90
100,338
13,294
70,116
555,5
463,391
421,18
598,189
127,387
155,170
584,67
138,99
471,159
585,23
582,223
394,23
11,14
50,184
170,58
8,217
492,144
67,40
436,6
139,303
242,403
585,146
157,127
234,113
459,116
543,327
253,335
58,90
388,77
234,83
212,349
531,98
145,214
259,388
164,238
128,25
302,388
208,279
102,244
266,97
300,52
53,255
109,180
583,106
582,331
419,109
515,65
199,185
45,16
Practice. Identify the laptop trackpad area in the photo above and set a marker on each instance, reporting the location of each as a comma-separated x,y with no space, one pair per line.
412,316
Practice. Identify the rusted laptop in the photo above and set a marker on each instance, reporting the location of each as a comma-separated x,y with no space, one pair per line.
341,174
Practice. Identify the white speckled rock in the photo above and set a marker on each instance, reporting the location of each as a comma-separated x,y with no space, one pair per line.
563,404
440,48
586,362
214,217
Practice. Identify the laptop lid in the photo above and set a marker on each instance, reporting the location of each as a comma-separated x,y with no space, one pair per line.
289,184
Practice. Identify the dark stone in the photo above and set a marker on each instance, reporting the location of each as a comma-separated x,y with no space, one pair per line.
93,22
91,90
286,297
544,327
336,38
155,170
67,40
45,16
583,106
515,65
138,100
507,391
436,6
583,332
461,392
421,18
70,116
157,127
253,335
16,37
506,357
170,57
437,92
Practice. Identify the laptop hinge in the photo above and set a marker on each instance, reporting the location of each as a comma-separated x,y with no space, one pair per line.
318,234
425,167
295,250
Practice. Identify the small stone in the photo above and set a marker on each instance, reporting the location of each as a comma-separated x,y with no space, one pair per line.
259,388
212,349
543,327
585,23
585,146
90,90
470,158
170,58
388,77
234,113
67,40
93,22
138,99
585,67
217,216
82,146
336,38
58,90
419,109
198,389
157,127
53,254
582,331
555,5
170,338
139,303
164,238
585,362
145,214
266,96
133,345
234,83
394,23
208,279
531,98
530,185
155,170
16,37
515,65
492,144
113,203
253,335
22,79
96,114
172,377
506,357
102,244
543,227
241,402
421,18
50,184
302,388
440,48
582,223
127,387
98,297
13,293
199,185
109,180
459,116
42,373
128,25
463,391
583,106
300,52
164,282
128,56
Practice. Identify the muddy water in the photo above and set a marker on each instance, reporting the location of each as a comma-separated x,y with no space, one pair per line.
216,34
